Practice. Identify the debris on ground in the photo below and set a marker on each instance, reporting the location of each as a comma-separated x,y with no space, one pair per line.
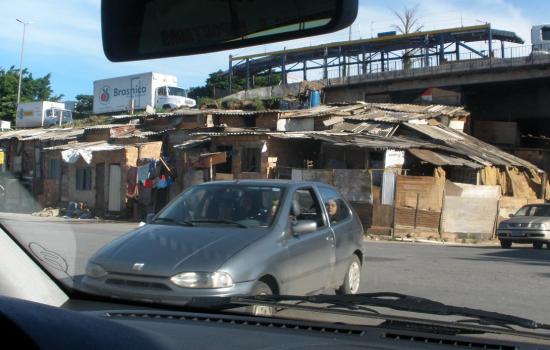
47,212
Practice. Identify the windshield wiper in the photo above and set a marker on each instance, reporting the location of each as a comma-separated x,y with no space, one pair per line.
216,221
360,305
173,221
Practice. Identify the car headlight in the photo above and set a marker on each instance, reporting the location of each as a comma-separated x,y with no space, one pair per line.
503,225
538,226
203,280
95,271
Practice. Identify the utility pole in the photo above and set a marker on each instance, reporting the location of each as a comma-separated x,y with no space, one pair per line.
21,59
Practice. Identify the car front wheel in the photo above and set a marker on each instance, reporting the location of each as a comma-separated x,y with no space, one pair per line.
352,281
261,288
506,244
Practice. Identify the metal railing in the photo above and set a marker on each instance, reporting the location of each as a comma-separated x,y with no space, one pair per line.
466,61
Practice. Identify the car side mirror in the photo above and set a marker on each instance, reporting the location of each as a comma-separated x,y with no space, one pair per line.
511,215
149,218
303,226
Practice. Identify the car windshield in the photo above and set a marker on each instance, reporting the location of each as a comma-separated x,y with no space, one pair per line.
407,153
252,206
534,210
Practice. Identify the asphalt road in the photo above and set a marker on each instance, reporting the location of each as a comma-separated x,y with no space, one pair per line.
514,281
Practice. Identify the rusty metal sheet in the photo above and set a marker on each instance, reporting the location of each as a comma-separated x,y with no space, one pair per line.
354,184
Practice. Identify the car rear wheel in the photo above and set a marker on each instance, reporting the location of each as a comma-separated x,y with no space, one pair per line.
352,281
538,245
506,244
261,288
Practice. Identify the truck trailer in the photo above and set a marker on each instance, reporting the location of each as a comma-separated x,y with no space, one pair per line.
136,92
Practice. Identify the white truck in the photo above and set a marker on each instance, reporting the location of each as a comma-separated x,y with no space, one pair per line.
42,114
540,38
122,94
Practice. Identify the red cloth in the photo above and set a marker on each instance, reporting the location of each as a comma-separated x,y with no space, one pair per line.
148,183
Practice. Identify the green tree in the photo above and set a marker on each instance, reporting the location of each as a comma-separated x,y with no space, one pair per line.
217,84
84,105
32,89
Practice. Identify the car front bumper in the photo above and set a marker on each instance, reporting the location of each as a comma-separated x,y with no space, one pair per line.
523,236
155,289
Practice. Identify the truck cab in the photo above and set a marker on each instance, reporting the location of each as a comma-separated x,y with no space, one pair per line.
540,38
171,97
42,114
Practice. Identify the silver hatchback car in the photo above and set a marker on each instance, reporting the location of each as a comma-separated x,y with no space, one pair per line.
531,224
236,238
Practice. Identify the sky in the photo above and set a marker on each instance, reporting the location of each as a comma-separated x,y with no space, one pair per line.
64,37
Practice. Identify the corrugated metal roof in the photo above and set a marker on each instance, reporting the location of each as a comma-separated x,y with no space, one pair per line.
369,141
436,132
138,134
105,126
440,159
469,146
192,143
42,134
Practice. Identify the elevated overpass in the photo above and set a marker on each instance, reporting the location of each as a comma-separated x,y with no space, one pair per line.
388,52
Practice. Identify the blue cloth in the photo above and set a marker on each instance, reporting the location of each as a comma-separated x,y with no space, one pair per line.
162,183
143,173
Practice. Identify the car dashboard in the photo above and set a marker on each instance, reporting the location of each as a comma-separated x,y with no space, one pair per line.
91,325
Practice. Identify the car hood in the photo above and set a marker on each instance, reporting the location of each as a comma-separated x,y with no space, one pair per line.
528,220
166,250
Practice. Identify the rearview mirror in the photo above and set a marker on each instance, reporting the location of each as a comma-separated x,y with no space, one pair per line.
143,29
303,226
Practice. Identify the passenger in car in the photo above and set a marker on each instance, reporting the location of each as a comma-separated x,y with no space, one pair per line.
332,209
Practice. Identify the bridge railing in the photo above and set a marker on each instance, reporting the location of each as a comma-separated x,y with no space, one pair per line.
467,61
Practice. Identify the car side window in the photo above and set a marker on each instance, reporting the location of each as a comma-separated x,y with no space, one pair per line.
336,207
305,206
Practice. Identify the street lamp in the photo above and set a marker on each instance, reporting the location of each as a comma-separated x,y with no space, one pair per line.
21,58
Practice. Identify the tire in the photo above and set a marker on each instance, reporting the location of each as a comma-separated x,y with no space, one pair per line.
352,280
538,245
261,288
506,244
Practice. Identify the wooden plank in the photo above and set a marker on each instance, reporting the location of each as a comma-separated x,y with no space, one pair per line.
428,190
406,218
382,215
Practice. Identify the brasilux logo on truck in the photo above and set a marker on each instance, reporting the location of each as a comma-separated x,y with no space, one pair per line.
105,95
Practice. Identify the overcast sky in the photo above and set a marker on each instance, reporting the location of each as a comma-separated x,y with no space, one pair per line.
65,37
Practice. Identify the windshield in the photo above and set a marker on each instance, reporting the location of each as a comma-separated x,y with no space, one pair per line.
252,206
174,91
536,210
391,156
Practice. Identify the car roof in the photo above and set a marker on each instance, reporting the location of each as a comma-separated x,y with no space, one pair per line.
266,182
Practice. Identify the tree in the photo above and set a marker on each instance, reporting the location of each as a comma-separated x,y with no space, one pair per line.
32,89
408,23
217,84
84,105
